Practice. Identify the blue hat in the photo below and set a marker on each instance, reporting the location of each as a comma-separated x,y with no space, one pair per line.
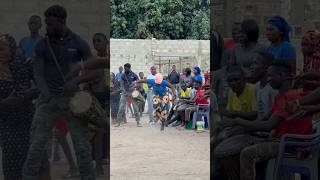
282,25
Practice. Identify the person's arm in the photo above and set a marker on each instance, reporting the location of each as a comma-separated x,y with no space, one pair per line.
254,125
244,115
89,62
141,81
311,99
73,84
172,88
38,69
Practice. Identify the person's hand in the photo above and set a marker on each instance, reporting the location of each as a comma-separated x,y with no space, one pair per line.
70,87
228,122
296,115
74,71
11,100
309,75
291,107
29,93
224,112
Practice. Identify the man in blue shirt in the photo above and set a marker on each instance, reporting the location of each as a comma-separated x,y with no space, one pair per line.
127,83
27,44
54,57
119,74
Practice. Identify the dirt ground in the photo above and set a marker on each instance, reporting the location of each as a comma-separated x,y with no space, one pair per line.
141,153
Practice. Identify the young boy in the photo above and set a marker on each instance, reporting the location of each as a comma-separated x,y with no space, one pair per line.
261,149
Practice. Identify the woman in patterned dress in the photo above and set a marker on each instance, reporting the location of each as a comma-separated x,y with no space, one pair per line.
16,108
161,101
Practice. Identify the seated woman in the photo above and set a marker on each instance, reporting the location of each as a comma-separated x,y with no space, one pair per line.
160,97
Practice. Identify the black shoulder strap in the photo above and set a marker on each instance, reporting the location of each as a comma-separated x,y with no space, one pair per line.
55,60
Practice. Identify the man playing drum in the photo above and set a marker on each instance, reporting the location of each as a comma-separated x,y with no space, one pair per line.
54,56
160,97
127,85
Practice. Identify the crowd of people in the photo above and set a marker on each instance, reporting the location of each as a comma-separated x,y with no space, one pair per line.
169,99
260,96
38,77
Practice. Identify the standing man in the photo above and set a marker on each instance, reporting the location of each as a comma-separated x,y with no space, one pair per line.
127,84
27,43
153,71
174,77
119,74
54,57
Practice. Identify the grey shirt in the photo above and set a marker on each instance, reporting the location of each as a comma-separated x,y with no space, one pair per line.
265,96
243,56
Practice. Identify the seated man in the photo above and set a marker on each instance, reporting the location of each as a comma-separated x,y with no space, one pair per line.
255,149
241,102
190,105
186,93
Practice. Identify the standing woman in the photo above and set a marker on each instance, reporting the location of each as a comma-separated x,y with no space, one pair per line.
277,32
243,54
114,97
16,108
160,97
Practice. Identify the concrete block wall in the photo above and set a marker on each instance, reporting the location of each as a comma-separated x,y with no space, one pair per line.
85,17
142,54
301,15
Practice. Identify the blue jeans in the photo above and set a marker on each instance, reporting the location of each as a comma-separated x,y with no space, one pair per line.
150,105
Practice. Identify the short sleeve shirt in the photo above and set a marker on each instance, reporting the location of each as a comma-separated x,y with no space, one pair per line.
27,45
246,102
185,93
285,51
69,50
265,96
159,90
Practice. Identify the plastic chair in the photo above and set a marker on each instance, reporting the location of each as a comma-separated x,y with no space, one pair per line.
307,166
203,110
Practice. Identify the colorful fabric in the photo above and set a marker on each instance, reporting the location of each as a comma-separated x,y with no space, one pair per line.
15,122
312,62
161,106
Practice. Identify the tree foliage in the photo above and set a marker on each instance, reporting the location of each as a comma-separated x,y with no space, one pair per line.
160,19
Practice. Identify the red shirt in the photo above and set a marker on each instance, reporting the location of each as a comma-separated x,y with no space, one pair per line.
229,43
299,126
198,95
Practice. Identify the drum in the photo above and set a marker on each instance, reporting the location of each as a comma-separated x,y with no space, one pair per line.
85,106
137,96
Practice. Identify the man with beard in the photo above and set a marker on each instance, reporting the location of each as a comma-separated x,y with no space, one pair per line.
53,59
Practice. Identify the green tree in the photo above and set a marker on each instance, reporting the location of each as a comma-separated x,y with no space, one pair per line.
161,19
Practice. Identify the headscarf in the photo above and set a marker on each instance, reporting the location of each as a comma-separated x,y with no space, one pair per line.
197,69
158,78
282,25
312,62
5,72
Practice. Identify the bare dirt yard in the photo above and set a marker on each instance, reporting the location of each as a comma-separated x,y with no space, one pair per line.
144,153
